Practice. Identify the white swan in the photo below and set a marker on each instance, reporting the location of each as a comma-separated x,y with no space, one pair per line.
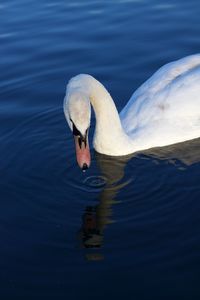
164,110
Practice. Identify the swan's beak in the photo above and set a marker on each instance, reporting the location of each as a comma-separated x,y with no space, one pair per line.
82,151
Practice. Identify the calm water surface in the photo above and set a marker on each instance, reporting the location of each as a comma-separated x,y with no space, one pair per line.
128,227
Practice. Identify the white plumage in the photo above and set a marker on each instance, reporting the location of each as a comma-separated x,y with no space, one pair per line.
164,110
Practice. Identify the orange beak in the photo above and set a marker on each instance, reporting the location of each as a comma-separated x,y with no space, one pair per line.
82,151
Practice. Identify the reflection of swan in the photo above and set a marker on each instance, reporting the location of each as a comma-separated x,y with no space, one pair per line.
188,152
165,110
96,218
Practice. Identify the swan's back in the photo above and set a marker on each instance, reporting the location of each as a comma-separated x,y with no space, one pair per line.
167,105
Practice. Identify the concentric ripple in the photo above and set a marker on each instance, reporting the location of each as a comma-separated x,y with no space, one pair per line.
95,181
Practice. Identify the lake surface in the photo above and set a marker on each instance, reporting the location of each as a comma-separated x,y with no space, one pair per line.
128,227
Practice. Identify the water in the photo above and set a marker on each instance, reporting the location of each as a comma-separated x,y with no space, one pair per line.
128,227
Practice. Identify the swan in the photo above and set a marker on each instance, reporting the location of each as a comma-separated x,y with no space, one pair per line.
164,110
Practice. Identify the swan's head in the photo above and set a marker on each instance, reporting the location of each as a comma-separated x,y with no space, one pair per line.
78,111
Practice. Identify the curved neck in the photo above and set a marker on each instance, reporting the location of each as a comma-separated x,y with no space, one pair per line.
109,134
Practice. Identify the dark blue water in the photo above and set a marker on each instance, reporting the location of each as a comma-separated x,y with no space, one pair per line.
128,227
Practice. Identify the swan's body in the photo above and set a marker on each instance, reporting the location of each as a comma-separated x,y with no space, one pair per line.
164,110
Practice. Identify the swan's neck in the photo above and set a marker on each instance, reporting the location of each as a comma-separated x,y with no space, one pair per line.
109,137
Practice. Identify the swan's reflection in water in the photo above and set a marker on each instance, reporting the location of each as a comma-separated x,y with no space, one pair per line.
188,152
96,218
91,230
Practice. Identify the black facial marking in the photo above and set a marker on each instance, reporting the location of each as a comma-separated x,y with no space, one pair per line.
85,142
81,138
80,142
75,130
85,138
